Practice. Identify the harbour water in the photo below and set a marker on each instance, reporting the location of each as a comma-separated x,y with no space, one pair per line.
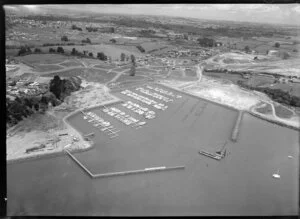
239,184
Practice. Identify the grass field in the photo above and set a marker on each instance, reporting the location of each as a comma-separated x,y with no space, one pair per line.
45,68
108,67
232,77
98,76
67,73
148,46
190,73
91,75
177,73
124,68
28,76
282,112
123,78
264,108
260,81
71,64
43,58
145,70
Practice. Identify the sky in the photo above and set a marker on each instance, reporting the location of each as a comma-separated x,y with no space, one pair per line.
262,13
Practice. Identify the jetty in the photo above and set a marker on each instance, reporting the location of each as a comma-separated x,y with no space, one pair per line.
89,134
211,155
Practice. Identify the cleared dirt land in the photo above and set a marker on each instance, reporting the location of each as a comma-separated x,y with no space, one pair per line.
46,128
264,63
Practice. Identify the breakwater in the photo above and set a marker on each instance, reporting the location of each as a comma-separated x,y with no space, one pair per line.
123,173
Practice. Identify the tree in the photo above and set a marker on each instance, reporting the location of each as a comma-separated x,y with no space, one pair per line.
91,54
113,40
132,70
285,55
140,48
74,51
37,50
22,51
60,50
277,45
51,50
87,40
56,86
101,56
132,58
64,38
206,42
122,57
185,36
247,49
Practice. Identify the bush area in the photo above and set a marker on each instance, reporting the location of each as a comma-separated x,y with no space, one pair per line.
275,94
140,48
24,106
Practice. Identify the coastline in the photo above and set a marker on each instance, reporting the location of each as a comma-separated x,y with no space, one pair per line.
273,121
90,143
233,108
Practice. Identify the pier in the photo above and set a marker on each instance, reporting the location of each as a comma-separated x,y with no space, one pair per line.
211,155
123,173
236,129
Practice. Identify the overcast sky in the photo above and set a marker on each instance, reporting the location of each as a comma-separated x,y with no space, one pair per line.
264,13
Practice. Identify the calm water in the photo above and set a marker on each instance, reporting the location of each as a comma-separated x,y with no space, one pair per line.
240,184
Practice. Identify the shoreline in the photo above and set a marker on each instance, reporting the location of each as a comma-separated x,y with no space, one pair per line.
232,108
90,142
115,100
273,121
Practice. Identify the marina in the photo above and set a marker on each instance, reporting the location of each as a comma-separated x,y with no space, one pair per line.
241,173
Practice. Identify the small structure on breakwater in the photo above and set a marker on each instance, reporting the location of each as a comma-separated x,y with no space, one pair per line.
218,155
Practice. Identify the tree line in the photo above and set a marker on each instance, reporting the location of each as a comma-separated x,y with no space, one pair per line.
277,95
24,106
60,50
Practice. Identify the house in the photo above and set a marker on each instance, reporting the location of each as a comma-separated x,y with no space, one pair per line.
272,52
295,80
283,80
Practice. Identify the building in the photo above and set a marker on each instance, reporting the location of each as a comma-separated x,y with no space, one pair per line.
283,80
272,52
